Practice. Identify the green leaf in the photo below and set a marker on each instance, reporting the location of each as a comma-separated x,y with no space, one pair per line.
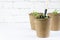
35,13
55,12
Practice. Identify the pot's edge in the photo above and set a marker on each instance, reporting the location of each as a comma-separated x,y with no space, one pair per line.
32,13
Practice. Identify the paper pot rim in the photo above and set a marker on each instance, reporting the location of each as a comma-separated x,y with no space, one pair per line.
32,13
44,19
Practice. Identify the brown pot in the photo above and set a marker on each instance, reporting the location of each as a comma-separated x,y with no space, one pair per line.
32,19
59,21
54,21
42,27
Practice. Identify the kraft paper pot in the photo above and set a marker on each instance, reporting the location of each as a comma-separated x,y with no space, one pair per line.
42,27
54,21
59,21
32,19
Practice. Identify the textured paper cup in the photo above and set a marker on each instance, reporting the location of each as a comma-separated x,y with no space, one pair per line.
42,27
32,19
54,21
59,21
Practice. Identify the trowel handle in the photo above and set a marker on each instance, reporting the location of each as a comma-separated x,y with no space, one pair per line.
45,12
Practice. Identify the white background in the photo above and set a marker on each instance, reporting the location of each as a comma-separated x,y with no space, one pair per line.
14,19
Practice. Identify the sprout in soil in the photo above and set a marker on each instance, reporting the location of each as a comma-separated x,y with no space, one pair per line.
42,16
55,12
36,14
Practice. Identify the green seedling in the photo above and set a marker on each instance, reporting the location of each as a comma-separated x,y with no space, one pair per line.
35,13
55,12
42,16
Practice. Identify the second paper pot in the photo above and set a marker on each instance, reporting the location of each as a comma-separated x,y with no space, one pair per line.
54,21
32,19
42,27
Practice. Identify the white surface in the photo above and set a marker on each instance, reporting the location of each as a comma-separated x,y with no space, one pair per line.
22,31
